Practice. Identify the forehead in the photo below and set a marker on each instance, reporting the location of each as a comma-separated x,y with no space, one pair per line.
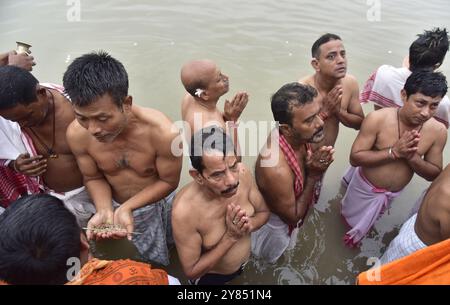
331,46
425,98
213,160
104,104
301,113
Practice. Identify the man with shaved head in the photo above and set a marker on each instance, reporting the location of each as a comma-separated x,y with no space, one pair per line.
205,84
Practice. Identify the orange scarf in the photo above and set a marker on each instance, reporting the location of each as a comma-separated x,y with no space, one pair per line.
120,272
428,266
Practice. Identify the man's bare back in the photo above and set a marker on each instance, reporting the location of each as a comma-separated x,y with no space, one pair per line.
433,219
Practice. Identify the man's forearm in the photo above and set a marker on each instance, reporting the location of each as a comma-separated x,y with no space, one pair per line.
100,192
259,219
208,260
423,168
150,194
370,158
350,120
300,208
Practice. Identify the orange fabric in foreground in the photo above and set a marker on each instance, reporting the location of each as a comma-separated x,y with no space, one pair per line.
428,266
120,272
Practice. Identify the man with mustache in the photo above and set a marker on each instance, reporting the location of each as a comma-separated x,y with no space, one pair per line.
392,145
338,91
213,216
288,172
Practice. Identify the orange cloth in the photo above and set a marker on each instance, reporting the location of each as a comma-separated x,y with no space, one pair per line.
120,272
428,266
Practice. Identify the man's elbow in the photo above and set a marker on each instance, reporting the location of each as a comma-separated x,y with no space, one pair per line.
354,160
430,177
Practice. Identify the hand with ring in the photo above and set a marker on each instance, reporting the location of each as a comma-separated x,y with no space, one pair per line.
237,222
318,161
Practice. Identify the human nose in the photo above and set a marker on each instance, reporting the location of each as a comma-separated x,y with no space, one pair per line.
229,178
425,113
93,128
319,122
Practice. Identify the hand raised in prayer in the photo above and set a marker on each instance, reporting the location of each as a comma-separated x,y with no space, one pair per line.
407,145
123,217
30,166
318,161
331,103
236,221
22,60
232,110
100,218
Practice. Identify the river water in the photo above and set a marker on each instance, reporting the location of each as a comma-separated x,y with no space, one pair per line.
260,45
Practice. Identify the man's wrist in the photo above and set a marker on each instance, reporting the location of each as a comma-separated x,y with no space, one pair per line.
232,124
392,154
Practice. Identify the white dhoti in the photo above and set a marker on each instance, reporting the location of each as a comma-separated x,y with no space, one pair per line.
272,239
79,203
404,244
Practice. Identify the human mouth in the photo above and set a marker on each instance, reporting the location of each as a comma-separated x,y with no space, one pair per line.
231,190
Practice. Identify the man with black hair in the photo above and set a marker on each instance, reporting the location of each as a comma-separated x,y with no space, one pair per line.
125,155
42,244
36,146
426,52
214,215
288,172
338,91
392,145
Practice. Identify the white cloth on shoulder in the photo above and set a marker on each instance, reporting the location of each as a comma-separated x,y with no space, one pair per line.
384,86
405,243
271,240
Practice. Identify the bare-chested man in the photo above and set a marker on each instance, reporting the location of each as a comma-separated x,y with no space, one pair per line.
287,172
124,153
429,226
205,84
214,215
338,91
43,113
392,145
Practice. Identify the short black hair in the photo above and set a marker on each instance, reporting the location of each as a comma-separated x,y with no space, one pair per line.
38,235
17,86
315,49
428,49
92,75
288,96
427,82
209,138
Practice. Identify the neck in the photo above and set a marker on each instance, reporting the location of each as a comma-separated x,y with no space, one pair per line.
295,144
209,105
324,83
